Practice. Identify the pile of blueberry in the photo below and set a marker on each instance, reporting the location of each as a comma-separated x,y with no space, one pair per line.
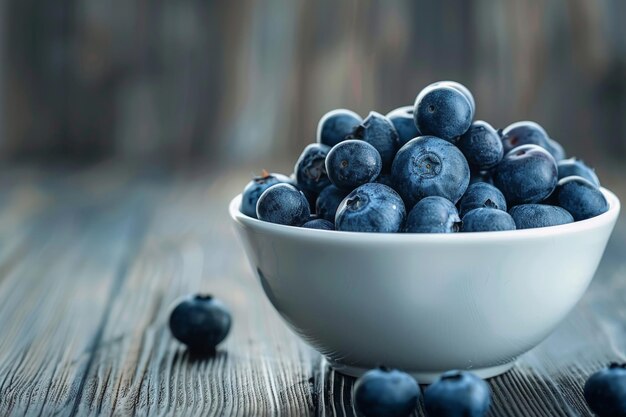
427,168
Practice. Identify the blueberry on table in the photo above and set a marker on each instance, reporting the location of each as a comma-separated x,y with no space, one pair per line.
487,219
352,163
430,166
481,145
255,188
283,204
575,167
385,392
320,224
372,207
479,195
310,169
527,174
378,131
580,197
605,391
336,125
531,216
404,122
524,133
328,201
457,394
443,111
433,215
201,322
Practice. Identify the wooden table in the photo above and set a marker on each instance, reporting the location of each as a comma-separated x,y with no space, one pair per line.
91,260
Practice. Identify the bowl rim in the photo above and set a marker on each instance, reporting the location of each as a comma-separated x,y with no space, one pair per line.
609,216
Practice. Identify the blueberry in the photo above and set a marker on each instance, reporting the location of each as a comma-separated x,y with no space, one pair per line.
479,195
352,163
372,207
283,204
481,146
527,174
336,125
433,215
429,166
487,219
442,111
310,168
255,188
457,394
555,149
201,322
378,131
605,391
576,167
524,133
321,224
480,176
580,197
386,179
531,216
462,89
404,122
386,393
328,201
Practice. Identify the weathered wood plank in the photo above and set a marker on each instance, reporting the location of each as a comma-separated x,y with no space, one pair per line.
54,294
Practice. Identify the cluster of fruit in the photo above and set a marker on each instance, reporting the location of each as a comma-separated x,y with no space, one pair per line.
201,322
427,168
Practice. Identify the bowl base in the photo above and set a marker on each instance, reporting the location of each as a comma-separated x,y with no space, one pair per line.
425,377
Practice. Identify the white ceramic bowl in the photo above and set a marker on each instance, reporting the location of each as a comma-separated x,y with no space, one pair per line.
425,303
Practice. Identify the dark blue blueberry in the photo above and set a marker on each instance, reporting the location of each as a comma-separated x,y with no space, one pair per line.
352,163
386,179
531,216
462,89
523,133
283,204
404,122
479,195
372,207
442,111
429,166
433,215
481,146
386,393
378,131
255,188
580,197
310,168
575,167
480,176
457,394
487,220
328,201
321,224
527,174
605,391
336,125
555,149
201,322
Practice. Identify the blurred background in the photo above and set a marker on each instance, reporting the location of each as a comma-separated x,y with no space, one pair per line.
195,81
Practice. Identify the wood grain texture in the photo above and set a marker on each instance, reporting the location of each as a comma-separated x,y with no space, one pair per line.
91,261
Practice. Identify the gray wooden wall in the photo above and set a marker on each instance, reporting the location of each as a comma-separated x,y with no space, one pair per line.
243,79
